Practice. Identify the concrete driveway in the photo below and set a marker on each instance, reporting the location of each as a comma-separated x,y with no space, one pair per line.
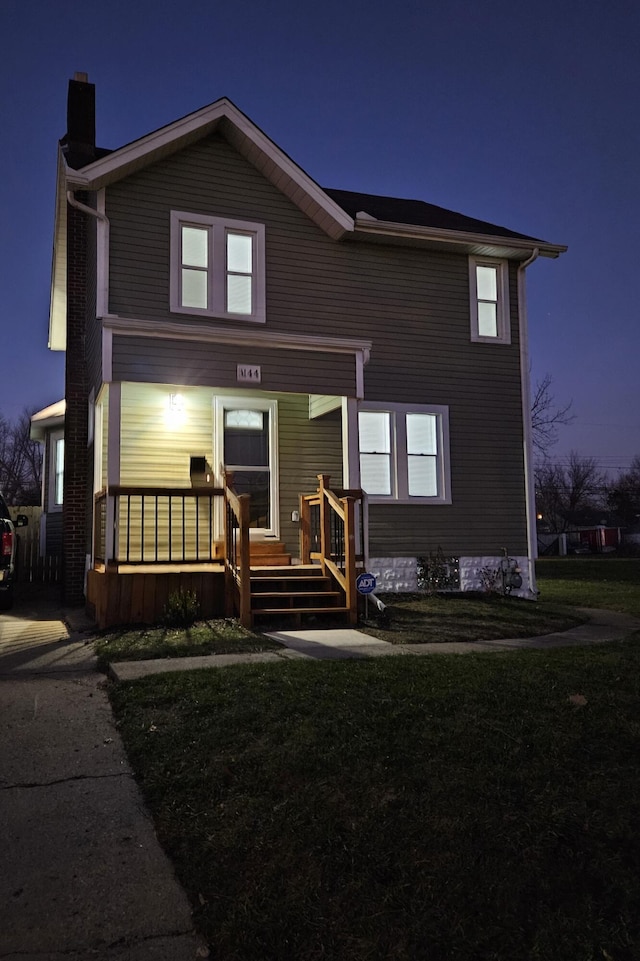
82,872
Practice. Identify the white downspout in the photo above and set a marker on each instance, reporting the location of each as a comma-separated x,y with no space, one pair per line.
71,197
101,307
102,249
530,498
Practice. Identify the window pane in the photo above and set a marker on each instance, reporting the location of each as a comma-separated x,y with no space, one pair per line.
195,247
423,476
246,438
239,253
238,294
59,485
487,283
375,473
422,436
487,320
373,428
251,419
194,288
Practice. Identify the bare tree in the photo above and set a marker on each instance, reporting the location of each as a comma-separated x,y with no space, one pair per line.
547,417
563,491
20,462
623,495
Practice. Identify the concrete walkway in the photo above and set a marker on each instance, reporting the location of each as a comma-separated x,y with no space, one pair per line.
346,643
82,874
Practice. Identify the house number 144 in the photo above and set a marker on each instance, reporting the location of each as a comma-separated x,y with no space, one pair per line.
248,373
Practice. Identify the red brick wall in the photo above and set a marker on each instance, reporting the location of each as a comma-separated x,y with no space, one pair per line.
76,490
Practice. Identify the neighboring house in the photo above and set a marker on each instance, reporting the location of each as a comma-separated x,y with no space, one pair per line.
232,328
47,426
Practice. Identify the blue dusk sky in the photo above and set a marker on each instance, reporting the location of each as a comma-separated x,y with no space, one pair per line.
522,114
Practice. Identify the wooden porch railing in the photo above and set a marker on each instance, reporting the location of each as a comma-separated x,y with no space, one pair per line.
154,525
332,532
237,564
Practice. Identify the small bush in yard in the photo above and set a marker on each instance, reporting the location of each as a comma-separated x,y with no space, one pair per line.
181,610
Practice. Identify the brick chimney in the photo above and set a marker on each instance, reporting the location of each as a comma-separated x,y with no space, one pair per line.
79,142
79,146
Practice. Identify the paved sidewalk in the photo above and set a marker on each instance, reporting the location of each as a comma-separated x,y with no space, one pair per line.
346,643
82,874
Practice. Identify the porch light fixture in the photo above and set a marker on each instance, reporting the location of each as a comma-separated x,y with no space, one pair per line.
175,411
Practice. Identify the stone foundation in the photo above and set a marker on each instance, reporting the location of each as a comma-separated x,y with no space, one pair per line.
400,574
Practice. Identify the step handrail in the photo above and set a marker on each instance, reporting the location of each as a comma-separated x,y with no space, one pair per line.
331,507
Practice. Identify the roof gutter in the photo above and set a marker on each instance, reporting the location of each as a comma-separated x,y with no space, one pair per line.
442,235
525,375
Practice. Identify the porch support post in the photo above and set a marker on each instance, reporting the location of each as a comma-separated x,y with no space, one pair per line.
351,471
350,445
113,470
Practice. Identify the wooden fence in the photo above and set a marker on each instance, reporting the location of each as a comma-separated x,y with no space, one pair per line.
31,568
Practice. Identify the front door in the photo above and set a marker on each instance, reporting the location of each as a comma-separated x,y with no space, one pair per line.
246,446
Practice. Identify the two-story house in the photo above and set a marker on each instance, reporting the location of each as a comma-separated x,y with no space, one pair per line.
233,331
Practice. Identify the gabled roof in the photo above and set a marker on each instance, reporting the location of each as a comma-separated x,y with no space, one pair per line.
223,117
415,221
341,214
418,213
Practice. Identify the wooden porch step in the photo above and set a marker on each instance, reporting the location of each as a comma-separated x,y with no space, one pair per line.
262,603
287,583
297,614
269,553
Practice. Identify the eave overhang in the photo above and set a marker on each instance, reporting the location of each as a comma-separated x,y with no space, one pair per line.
49,418
58,295
479,245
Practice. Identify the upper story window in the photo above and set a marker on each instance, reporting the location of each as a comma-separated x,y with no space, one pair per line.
489,291
217,267
404,453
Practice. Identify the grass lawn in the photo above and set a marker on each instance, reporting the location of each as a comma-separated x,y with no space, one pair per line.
414,619
422,618
475,808
608,582
224,636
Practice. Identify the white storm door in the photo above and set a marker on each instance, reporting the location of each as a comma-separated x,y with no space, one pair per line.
246,445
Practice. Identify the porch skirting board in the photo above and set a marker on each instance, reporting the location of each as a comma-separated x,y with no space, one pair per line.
137,597
400,574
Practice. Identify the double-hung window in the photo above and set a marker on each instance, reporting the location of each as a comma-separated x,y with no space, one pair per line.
489,291
404,453
217,267
56,470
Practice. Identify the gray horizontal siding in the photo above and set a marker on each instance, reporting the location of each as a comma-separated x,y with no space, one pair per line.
412,303
159,361
307,448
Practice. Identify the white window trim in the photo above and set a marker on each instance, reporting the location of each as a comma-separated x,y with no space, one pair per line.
399,460
503,314
216,271
54,437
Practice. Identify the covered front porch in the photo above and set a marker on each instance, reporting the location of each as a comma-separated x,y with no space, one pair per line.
151,542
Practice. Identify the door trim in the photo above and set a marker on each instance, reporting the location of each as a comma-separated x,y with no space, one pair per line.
250,401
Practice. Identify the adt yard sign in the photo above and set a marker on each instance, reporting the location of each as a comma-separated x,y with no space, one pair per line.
366,583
